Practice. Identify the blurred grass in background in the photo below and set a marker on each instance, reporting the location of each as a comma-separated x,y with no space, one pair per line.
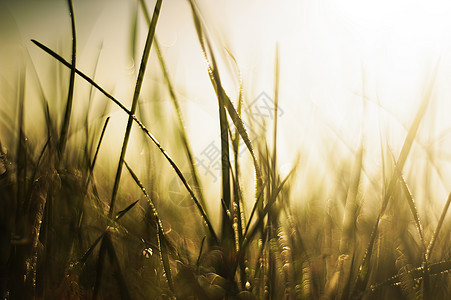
87,216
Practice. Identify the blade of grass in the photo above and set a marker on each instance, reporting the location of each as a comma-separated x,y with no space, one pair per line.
70,96
276,108
413,208
223,100
21,155
94,159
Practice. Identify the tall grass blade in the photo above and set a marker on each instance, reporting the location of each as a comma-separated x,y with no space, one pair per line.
276,112
413,208
70,96
94,159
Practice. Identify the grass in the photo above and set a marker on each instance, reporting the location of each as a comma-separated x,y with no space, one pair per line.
66,233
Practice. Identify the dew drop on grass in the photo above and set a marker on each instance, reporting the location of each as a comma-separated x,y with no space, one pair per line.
147,253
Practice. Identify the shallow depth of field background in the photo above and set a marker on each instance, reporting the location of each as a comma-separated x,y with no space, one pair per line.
353,75
349,71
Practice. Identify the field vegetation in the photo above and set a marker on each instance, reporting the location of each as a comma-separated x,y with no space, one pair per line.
73,229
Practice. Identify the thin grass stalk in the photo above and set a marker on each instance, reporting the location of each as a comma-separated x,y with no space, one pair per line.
21,155
70,96
276,111
94,159
20,286
88,146
413,209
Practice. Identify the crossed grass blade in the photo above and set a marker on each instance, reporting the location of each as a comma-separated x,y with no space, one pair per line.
139,82
434,269
146,132
82,261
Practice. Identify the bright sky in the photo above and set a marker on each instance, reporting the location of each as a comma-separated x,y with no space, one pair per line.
337,60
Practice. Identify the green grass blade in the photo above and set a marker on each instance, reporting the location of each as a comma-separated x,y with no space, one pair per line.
223,100
81,74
